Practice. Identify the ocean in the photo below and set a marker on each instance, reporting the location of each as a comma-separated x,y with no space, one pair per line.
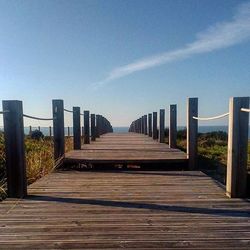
201,129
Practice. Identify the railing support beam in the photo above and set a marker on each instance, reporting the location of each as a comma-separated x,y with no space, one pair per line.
86,127
77,127
192,132
155,136
172,125
236,184
162,126
14,148
58,128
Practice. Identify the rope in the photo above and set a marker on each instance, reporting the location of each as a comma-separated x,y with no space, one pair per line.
210,118
38,118
2,112
69,111
245,110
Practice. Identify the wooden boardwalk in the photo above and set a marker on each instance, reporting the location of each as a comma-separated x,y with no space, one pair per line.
125,209
127,148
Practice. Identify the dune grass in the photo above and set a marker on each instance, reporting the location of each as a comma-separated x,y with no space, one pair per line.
39,159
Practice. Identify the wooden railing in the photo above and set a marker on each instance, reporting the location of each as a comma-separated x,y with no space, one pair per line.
236,181
14,138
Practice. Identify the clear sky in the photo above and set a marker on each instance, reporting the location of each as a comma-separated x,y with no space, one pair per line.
124,58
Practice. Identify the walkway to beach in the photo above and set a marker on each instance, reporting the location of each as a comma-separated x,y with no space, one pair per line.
125,209
71,209
125,148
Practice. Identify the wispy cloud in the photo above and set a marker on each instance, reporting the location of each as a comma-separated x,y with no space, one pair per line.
218,36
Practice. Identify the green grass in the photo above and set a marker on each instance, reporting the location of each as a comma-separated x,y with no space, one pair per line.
212,146
39,159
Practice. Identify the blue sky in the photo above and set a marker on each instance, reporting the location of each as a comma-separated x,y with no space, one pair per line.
124,58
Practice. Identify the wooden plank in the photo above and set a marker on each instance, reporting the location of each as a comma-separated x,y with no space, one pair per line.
125,148
125,209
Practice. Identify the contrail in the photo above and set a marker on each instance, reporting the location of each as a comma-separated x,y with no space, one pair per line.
218,36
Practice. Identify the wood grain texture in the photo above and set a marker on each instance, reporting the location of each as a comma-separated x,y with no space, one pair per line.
125,209
125,148
14,148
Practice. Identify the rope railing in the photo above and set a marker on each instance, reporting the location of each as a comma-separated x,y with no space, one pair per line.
211,118
67,110
245,110
3,112
38,118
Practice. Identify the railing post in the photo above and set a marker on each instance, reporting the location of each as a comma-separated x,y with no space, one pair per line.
83,131
97,126
30,132
137,126
14,148
86,127
77,127
172,125
93,127
50,131
150,125
142,125
68,131
155,126
145,125
58,128
192,132
236,185
162,126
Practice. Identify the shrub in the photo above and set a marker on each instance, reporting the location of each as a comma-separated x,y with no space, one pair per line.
37,135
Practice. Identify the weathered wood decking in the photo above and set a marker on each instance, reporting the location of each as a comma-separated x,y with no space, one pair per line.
125,209
131,209
127,148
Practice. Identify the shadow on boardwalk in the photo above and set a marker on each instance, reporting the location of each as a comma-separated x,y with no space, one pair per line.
121,204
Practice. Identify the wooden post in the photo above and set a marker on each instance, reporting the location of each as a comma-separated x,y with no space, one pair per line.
192,132
58,128
137,126
145,125
30,132
236,185
97,126
142,125
162,126
50,131
14,148
82,132
86,127
76,128
93,127
150,125
155,125
172,125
